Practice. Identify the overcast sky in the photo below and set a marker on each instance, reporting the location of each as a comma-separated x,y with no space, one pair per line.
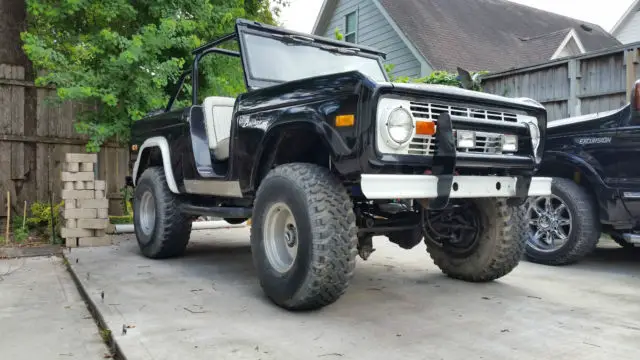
301,14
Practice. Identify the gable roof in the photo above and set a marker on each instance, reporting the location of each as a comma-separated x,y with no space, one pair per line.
488,34
491,35
635,6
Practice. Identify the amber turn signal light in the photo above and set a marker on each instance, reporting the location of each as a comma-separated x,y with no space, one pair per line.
134,147
345,120
425,128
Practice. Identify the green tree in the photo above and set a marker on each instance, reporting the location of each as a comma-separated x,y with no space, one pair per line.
123,57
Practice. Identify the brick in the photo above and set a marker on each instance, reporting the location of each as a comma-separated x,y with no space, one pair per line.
94,241
71,233
99,194
80,214
99,184
103,213
69,204
78,194
71,167
93,223
68,185
79,176
86,166
79,185
81,158
70,223
99,233
93,203
89,185
71,242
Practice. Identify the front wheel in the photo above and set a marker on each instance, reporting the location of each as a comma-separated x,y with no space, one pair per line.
303,237
478,240
564,227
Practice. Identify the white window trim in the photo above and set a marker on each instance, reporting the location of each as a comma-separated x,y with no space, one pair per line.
571,35
355,32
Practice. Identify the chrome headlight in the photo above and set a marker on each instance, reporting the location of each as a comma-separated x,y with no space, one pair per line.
534,130
400,125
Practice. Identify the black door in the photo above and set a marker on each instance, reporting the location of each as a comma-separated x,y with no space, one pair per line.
628,161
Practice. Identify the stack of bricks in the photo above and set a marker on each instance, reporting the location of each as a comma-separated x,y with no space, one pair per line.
85,213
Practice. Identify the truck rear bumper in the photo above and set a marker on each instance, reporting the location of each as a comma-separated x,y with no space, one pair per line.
391,186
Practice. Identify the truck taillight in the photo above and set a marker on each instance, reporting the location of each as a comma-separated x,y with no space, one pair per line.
636,96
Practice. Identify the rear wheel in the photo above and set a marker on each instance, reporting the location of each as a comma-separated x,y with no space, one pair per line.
562,228
478,240
161,230
303,236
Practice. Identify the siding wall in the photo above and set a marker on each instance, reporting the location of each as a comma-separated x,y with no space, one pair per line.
375,31
630,31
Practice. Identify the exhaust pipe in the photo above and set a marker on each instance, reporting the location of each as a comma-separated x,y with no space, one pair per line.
197,225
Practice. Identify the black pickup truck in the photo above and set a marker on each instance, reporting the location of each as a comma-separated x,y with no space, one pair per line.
323,152
595,164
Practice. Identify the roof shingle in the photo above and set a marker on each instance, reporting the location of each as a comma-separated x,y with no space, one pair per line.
489,35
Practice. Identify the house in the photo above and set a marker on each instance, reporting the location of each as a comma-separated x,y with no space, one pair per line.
627,29
420,36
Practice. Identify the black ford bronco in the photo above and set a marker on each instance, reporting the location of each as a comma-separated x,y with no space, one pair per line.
595,164
322,152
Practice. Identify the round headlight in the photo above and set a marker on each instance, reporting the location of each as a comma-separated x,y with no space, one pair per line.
535,140
535,135
400,125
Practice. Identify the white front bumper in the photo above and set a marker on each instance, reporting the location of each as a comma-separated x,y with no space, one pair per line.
382,186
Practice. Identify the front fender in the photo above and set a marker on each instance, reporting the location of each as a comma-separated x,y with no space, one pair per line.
553,159
312,125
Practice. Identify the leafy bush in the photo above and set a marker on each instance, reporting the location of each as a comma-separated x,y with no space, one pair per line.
40,218
20,235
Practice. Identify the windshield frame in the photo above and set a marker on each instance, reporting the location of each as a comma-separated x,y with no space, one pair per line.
244,27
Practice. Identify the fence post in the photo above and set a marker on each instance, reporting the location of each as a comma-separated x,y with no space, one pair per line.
631,60
574,103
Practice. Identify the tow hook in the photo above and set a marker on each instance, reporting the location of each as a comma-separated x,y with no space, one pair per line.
365,247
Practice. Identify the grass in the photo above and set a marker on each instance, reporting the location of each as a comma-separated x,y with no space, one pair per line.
117,220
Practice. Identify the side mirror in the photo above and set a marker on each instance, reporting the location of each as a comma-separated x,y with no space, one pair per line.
465,78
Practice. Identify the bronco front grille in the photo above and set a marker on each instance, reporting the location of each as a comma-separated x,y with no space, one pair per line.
486,143
431,111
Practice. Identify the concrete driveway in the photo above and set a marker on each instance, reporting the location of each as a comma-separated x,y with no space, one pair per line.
208,304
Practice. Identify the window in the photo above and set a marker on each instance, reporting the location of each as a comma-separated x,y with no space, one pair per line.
351,27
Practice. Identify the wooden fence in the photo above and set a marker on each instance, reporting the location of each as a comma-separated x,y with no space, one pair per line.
34,136
585,84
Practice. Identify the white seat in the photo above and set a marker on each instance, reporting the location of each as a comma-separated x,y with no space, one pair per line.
218,113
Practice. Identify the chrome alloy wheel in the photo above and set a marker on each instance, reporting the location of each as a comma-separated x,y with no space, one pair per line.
549,221
147,213
280,236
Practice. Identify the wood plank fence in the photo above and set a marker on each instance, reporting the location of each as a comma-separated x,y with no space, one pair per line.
35,133
579,85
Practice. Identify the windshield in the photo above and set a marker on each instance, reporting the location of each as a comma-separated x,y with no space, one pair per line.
274,60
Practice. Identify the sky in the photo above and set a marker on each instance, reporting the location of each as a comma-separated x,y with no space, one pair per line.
300,15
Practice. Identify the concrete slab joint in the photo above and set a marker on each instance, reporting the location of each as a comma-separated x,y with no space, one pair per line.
85,213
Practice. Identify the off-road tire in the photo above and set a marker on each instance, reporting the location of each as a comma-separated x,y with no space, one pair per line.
327,236
172,229
499,248
585,227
